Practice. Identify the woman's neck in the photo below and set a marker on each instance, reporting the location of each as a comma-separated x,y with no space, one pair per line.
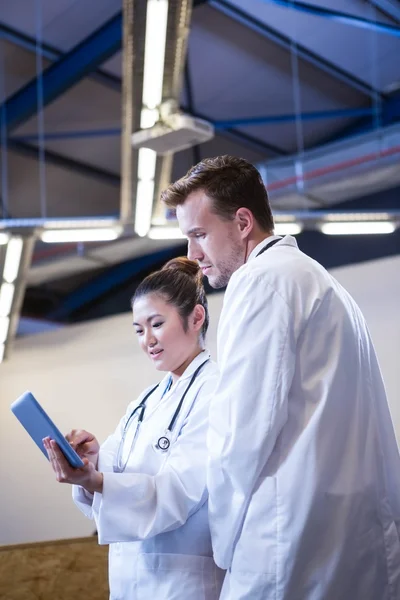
180,370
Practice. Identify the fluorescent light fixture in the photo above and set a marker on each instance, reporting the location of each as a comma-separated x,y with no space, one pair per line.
4,325
2,351
358,217
356,228
166,233
95,222
6,298
4,237
287,229
154,53
13,259
144,207
148,118
147,164
81,235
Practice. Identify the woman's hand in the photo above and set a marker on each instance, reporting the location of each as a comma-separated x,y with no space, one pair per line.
85,445
86,476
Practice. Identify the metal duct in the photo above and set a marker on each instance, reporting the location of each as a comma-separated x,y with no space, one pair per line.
134,12
336,172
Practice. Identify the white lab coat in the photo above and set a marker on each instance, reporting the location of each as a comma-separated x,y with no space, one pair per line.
304,493
154,515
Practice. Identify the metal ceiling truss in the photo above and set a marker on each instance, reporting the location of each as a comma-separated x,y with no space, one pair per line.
243,17
178,22
388,8
64,73
388,114
109,280
49,52
53,158
338,16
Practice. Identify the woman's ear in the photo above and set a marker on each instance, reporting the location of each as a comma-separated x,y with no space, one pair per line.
198,317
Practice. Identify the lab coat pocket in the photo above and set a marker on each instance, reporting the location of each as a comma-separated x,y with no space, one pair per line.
177,577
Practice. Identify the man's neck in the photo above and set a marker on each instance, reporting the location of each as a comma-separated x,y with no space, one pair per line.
255,241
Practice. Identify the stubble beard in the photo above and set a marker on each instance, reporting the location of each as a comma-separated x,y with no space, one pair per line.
227,268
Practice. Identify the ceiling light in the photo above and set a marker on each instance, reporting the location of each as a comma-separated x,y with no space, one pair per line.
4,237
166,233
13,259
6,298
144,206
154,53
357,228
4,325
93,234
147,164
287,229
148,117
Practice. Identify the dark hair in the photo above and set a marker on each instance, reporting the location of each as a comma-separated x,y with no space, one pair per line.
231,183
180,282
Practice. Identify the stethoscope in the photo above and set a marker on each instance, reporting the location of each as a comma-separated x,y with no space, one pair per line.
269,245
163,442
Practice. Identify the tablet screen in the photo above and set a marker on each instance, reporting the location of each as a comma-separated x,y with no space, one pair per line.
39,425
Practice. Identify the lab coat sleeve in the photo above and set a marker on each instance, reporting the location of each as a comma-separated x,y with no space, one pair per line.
84,499
137,506
256,355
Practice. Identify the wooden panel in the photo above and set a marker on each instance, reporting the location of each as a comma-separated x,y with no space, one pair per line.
58,570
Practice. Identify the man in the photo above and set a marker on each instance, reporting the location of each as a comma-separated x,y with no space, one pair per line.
304,467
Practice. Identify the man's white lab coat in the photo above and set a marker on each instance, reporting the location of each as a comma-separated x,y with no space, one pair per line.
304,474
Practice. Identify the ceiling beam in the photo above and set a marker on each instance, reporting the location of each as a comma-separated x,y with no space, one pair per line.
64,162
64,73
388,114
336,72
388,8
49,52
338,16
109,280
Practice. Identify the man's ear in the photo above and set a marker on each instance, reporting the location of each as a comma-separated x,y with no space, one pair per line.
245,220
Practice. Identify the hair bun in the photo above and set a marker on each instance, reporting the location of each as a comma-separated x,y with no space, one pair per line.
184,265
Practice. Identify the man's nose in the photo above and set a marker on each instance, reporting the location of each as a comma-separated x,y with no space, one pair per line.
194,251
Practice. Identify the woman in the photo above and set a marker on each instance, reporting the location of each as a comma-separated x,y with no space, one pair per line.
145,486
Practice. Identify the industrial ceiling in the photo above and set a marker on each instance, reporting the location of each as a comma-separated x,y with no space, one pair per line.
283,84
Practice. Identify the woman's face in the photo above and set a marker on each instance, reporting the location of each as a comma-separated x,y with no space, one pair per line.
161,334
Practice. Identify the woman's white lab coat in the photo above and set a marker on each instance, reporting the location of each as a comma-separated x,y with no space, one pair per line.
154,515
304,476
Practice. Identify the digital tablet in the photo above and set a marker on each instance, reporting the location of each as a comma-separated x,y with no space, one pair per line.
39,425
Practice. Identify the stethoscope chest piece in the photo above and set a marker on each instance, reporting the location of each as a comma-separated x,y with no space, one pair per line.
163,443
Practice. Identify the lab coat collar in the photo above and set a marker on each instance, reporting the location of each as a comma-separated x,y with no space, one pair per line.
200,358
287,240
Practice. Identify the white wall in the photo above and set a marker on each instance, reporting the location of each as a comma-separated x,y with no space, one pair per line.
85,375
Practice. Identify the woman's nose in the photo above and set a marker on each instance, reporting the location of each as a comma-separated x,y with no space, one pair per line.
149,339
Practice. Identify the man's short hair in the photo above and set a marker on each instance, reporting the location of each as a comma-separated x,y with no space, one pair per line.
230,182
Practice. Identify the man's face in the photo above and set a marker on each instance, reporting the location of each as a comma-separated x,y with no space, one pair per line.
214,242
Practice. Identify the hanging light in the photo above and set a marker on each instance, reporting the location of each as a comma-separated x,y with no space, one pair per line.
53,236
358,228
287,228
13,259
6,298
166,233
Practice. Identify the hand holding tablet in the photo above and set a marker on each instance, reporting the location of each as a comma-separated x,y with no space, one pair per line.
39,426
